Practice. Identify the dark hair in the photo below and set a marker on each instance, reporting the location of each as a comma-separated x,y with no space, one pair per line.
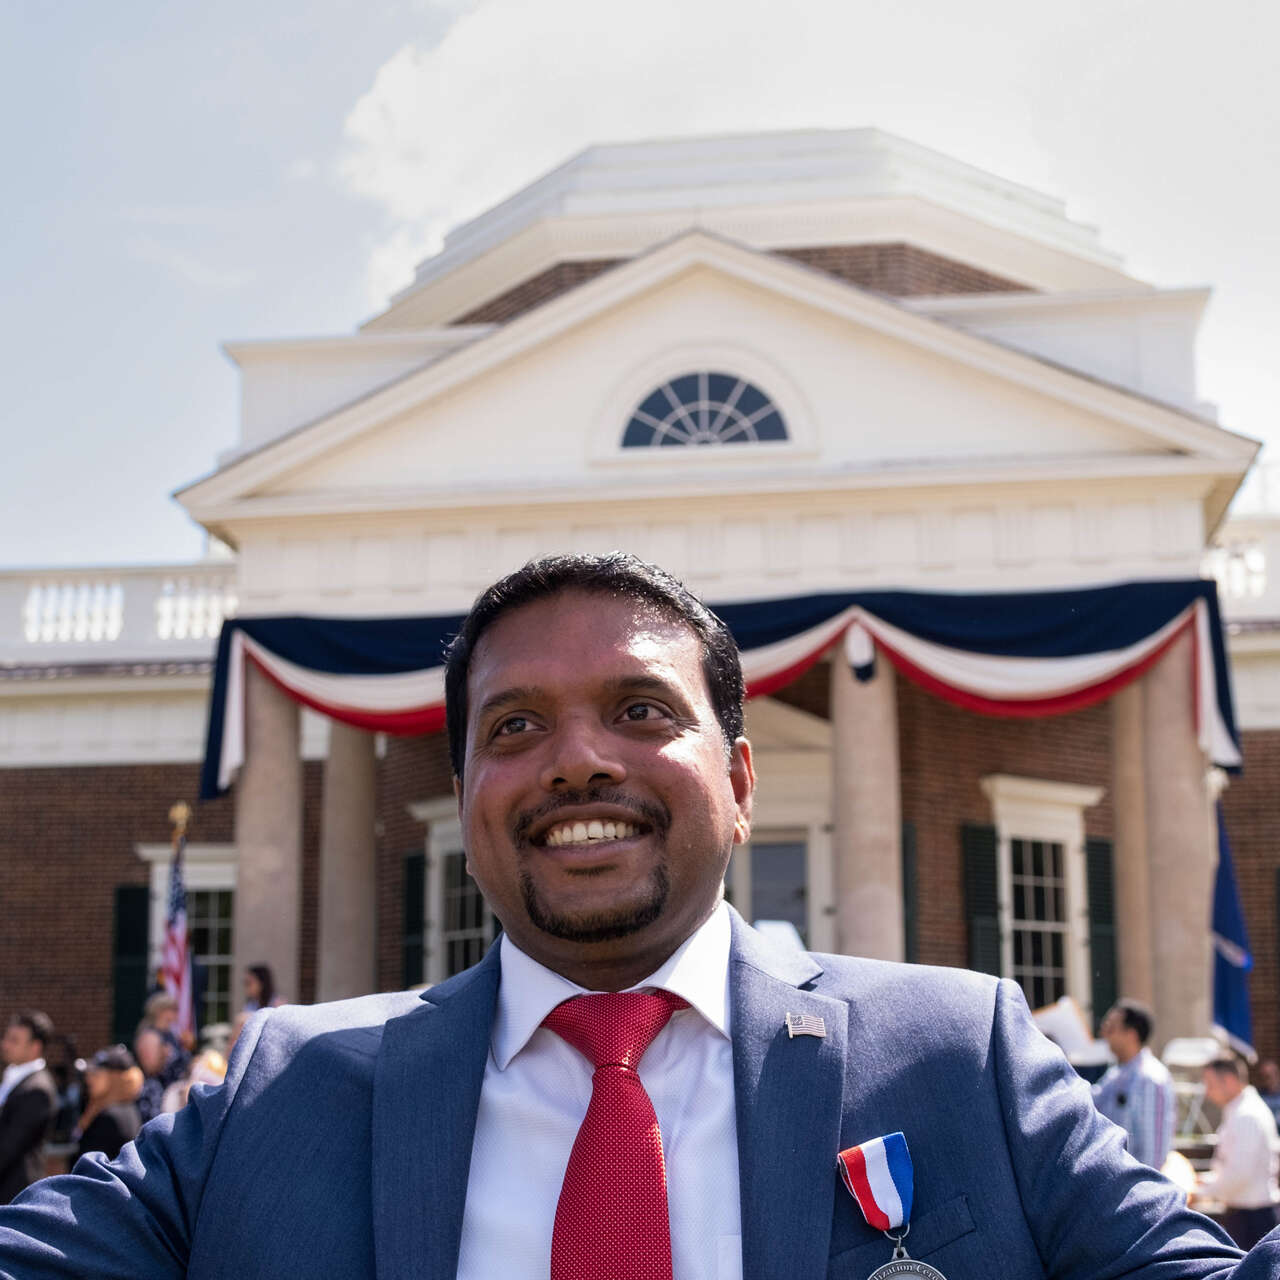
1226,1065
1136,1016
266,983
617,574
114,1058
39,1025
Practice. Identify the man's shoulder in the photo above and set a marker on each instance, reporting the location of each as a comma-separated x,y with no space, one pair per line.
857,975
1153,1069
41,1082
349,1030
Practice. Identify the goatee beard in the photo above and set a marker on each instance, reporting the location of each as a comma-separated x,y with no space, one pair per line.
597,926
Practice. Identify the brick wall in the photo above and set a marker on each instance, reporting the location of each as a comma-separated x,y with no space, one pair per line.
1251,807
412,769
898,269
945,751
66,842
901,270
535,290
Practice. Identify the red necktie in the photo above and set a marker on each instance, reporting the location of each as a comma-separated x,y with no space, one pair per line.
611,1222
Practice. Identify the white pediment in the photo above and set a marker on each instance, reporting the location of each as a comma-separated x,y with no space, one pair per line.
872,393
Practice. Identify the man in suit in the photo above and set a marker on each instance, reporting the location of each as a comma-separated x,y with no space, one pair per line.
28,1102
595,719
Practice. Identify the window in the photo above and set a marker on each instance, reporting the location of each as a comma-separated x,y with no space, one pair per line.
209,916
459,927
1042,886
706,408
1041,933
210,874
769,880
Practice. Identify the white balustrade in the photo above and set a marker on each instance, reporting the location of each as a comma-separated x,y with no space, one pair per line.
114,614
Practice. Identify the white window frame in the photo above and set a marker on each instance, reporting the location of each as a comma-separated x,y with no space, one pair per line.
816,840
205,868
1034,809
443,836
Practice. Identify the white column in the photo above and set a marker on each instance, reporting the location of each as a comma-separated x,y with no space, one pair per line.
1183,856
345,960
867,811
1135,951
268,824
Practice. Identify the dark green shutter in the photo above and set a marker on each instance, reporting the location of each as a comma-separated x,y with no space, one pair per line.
910,937
981,897
129,959
413,952
1102,926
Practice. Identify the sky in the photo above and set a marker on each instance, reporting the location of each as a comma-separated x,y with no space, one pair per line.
181,175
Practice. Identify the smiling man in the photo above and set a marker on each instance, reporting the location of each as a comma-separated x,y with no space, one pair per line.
633,1084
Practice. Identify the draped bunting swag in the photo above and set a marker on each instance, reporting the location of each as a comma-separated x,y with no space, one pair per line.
1026,654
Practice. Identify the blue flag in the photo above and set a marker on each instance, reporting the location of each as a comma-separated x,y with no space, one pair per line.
1231,957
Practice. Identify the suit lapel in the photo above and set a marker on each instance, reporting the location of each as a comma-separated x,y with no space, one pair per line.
426,1091
789,1103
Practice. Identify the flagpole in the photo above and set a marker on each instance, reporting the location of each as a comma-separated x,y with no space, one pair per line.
177,954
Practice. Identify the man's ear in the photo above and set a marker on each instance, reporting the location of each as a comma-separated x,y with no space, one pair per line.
742,776
457,795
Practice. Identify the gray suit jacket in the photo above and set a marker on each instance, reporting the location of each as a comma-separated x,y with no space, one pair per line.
340,1144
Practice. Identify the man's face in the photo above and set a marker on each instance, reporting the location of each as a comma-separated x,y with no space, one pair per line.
18,1045
1121,1039
1217,1088
597,804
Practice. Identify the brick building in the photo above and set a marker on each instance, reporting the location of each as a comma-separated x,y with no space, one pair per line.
947,386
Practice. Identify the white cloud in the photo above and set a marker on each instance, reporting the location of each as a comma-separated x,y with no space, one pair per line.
515,88
1157,121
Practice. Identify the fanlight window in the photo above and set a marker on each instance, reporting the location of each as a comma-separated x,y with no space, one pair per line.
704,409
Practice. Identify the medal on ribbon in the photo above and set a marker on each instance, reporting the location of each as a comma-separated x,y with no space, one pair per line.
879,1177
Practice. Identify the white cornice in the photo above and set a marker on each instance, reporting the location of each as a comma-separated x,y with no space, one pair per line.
244,350
715,488
63,682
205,499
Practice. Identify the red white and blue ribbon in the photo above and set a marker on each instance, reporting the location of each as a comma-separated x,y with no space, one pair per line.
878,1175
1018,654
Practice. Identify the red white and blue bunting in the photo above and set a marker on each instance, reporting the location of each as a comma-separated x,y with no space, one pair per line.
1025,654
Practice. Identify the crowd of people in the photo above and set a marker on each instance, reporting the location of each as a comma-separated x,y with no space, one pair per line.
1137,1093
100,1104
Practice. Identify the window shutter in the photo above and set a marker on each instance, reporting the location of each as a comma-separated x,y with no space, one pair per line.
129,959
981,897
910,936
413,952
1102,926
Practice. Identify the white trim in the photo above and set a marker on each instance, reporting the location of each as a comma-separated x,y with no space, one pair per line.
206,867
604,441
206,499
1038,809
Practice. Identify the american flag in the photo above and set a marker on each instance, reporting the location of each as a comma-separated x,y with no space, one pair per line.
175,969
805,1024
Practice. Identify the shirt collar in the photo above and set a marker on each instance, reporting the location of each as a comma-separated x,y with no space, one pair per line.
698,970
17,1073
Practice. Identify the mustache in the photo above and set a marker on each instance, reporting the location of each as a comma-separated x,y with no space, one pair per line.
647,812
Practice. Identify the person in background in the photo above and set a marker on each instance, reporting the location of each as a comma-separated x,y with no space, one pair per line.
209,1067
161,1012
1136,1093
1242,1174
1269,1086
260,989
162,1065
28,1101
113,1081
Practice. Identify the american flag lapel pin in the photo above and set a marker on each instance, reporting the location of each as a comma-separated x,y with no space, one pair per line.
804,1024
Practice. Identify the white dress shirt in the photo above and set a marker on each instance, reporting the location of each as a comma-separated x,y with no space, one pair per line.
15,1075
1243,1172
535,1093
